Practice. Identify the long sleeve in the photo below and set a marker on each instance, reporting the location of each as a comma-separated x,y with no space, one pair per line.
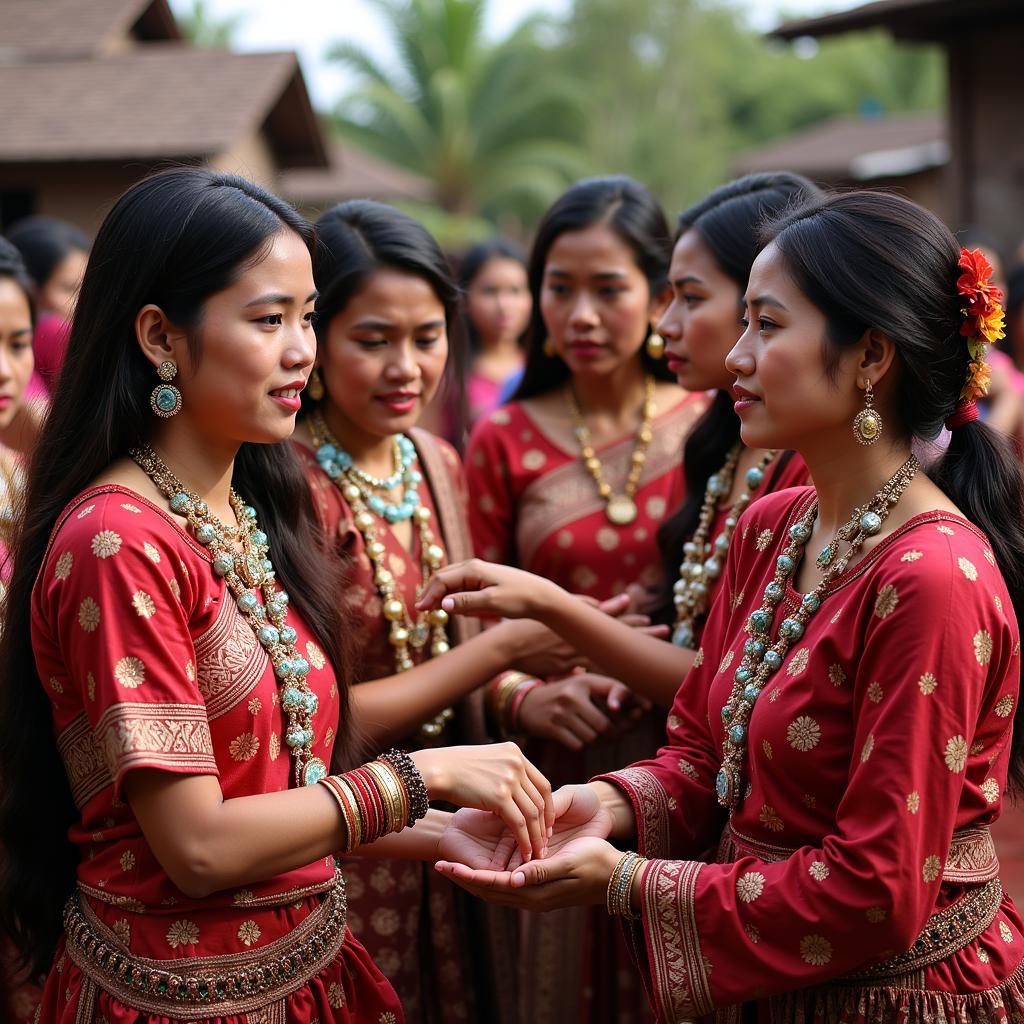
926,751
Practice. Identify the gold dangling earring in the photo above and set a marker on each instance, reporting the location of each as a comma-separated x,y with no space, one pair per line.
316,385
549,348
165,399
867,424
655,344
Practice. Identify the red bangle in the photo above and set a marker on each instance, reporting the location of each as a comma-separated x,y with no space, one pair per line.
517,699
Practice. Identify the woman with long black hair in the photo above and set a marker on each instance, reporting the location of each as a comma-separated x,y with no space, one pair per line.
175,689
847,738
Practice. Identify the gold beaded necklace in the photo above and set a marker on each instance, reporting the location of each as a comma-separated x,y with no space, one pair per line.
620,509
702,562
404,632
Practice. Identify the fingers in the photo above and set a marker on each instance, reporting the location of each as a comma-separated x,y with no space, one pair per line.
615,606
661,632
451,578
568,739
539,785
469,603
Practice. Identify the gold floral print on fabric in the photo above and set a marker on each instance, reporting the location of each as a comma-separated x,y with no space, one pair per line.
749,886
914,802
815,950
182,933
869,746
764,539
62,570
723,665
249,932
927,683
89,615
818,870
766,748
955,754
1004,706
911,556
836,675
152,552
144,605
875,693
982,647
130,671
990,790
932,867
315,655
803,733
968,568
885,603
244,747
798,662
106,544
770,818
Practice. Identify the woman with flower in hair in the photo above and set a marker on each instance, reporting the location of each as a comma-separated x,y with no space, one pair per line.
175,687
845,740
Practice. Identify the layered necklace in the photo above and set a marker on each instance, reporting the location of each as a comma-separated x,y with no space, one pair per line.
619,508
363,494
703,561
763,655
240,558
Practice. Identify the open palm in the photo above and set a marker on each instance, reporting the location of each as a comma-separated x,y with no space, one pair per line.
479,840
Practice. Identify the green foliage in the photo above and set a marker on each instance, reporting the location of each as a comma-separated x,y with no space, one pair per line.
477,118
201,29
668,91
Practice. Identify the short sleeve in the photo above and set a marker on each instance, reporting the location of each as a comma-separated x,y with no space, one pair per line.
115,595
493,505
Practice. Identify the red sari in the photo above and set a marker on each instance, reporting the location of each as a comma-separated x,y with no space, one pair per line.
148,663
877,759
448,956
535,506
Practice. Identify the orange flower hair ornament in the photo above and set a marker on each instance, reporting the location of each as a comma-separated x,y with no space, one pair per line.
983,319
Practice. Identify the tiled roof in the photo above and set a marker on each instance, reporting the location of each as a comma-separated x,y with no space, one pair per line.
856,148
353,174
31,29
908,19
160,100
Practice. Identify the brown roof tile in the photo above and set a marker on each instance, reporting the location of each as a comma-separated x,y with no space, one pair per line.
353,174
855,148
161,100
68,28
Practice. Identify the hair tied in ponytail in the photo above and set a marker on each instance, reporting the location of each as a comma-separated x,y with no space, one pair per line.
965,412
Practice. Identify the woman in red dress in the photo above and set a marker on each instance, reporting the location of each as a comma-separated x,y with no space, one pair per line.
166,705
392,499
846,738
572,480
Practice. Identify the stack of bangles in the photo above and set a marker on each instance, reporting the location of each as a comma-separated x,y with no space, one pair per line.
379,798
620,885
505,697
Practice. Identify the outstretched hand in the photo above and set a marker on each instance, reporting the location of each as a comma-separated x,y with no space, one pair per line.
479,588
575,871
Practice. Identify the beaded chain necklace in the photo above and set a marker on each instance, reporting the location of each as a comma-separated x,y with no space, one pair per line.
404,632
245,571
702,562
620,509
336,463
761,655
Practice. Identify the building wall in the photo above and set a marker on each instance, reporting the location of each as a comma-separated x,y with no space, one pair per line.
79,193
986,96
252,158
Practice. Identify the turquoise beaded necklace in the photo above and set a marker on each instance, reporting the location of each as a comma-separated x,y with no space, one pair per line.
244,572
761,655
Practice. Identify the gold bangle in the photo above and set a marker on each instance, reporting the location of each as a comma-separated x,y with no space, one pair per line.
502,694
327,783
400,790
390,797
348,793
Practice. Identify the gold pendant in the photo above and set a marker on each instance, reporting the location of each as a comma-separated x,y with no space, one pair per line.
620,510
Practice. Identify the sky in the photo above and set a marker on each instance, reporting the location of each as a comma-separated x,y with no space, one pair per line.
311,26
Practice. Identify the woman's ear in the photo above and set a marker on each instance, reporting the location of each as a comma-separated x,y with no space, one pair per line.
876,353
158,338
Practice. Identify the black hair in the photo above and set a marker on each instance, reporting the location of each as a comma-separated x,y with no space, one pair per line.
173,239
728,220
633,214
362,236
12,267
473,262
870,260
44,242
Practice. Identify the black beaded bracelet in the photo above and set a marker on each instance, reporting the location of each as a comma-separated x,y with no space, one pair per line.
411,778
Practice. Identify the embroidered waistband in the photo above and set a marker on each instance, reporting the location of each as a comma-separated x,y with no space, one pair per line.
226,985
971,859
945,933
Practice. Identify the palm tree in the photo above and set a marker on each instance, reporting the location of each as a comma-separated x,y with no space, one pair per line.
490,124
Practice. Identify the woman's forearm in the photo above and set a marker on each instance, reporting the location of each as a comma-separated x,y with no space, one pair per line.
393,707
416,843
617,804
648,666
